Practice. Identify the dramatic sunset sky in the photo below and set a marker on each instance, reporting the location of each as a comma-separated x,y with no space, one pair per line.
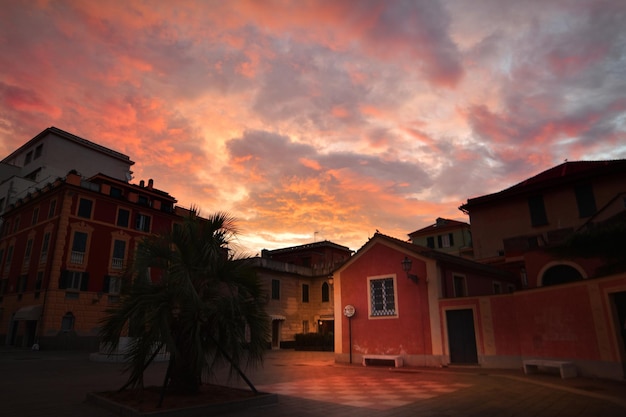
321,120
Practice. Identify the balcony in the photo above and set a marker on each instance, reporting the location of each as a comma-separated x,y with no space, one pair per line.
117,263
77,257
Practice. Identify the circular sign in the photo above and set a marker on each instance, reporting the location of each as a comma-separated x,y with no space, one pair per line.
349,311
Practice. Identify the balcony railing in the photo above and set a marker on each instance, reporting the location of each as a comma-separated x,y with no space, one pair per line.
117,263
77,257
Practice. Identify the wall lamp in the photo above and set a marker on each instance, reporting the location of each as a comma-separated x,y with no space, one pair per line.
406,267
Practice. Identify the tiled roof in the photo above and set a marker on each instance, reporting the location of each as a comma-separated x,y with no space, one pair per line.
430,253
564,173
441,224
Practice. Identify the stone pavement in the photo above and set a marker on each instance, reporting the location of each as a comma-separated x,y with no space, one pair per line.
48,383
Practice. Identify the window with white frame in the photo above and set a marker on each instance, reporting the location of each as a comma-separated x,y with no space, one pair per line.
45,244
74,280
142,222
119,250
27,252
84,208
79,247
382,297
52,208
112,284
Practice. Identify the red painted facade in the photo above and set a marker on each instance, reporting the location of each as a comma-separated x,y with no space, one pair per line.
412,327
63,252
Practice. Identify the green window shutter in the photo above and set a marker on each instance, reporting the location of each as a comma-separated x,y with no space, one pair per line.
84,282
63,280
106,284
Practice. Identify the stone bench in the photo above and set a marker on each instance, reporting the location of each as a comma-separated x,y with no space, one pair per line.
567,369
396,359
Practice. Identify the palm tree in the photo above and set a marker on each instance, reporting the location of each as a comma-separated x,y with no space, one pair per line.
191,297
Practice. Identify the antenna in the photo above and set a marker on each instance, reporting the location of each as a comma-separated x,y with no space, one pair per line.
315,236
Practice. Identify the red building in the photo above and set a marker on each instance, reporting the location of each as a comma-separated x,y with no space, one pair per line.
569,310
394,287
63,250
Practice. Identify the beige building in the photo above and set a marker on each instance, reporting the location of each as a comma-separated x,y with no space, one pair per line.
445,235
299,286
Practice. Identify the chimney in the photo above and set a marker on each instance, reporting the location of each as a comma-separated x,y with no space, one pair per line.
150,183
142,183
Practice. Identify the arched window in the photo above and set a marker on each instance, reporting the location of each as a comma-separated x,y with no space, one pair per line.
560,274
325,292
67,322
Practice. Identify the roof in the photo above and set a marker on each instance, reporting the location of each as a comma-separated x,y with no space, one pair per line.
307,246
441,224
425,252
73,138
565,173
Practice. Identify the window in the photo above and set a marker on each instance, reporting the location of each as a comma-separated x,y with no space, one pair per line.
143,201
119,249
325,292
497,287
459,286
84,208
305,293
445,241
123,216
28,251
45,244
9,258
430,242
29,157
16,225
275,289
38,151
38,283
585,200
21,284
382,297
537,211
35,216
116,192
142,222
67,322
112,285
52,208
74,280
79,247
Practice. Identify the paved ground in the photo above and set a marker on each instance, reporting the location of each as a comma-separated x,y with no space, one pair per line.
310,384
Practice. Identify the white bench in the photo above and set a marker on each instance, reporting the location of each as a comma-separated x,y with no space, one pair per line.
567,369
397,359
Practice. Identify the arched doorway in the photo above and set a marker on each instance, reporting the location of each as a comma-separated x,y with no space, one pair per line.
560,274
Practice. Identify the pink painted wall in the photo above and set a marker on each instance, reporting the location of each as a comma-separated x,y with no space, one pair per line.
550,322
409,332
